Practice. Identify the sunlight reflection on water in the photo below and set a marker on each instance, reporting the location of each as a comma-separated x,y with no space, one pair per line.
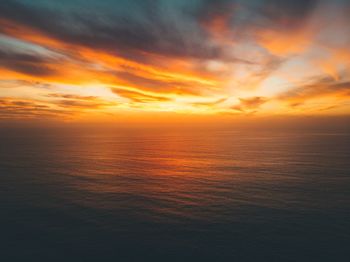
174,194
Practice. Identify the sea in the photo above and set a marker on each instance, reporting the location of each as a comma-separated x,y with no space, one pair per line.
165,194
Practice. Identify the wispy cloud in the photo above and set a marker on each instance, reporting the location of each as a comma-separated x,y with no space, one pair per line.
249,104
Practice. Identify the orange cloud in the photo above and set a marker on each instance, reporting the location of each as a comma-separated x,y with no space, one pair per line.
283,43
15,108
139,97
322,94
248,104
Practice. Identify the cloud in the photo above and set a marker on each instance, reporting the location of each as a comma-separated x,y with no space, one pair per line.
22,109
286,13
29,64
287,29
174,31
317,87
76,97
279,26
215,17
155,83
318,94
80,104
129,37
248,104
139,97
210,103
172,54
79,101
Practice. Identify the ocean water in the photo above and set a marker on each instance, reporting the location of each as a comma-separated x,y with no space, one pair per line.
174,195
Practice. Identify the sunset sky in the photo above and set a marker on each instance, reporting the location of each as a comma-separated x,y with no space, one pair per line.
101,59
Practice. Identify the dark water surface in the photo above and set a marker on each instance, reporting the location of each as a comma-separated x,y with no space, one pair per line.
172,195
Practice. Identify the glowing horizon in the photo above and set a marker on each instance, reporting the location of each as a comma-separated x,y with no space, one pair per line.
78,59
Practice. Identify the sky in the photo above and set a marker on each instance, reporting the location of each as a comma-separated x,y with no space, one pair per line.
91,59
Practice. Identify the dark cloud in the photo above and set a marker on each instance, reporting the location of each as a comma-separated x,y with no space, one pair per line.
153,28
209,10
126,36
286,12
30,64
244,18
